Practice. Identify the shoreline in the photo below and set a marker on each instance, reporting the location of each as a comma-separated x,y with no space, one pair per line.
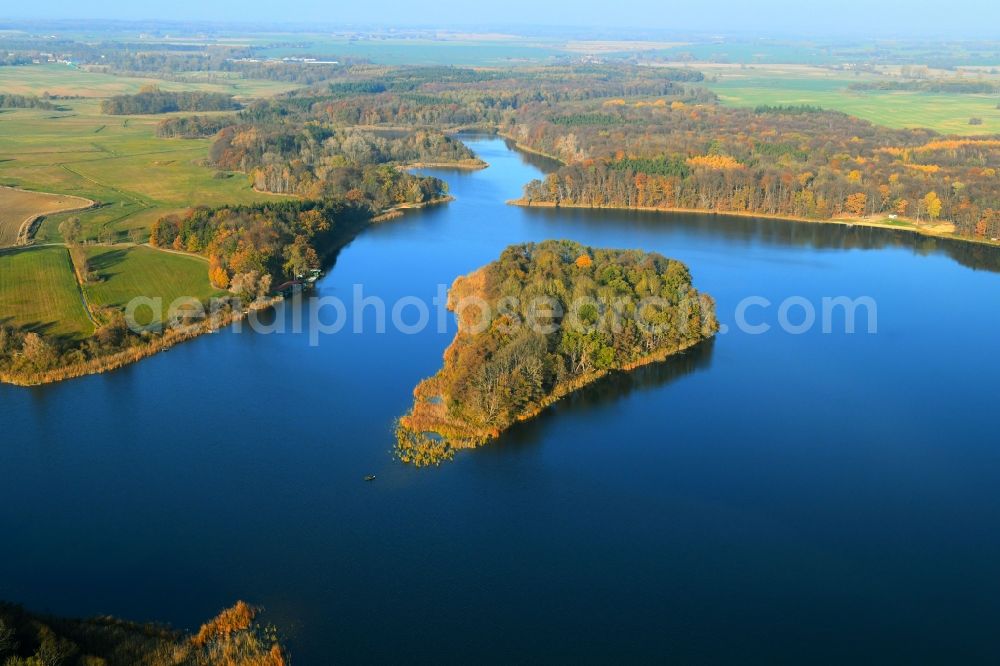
172,337
463,437
397,211
561,392
464,165
125,357
847,222
528,149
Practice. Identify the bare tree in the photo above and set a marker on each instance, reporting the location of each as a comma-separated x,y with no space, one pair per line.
71,230
138,236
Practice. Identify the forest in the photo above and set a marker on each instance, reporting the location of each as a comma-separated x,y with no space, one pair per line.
540,322
316,160
193,127
324,140
152,100
793,162
451,97
642,137
251,247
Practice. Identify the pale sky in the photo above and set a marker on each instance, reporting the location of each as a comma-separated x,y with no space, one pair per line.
956,18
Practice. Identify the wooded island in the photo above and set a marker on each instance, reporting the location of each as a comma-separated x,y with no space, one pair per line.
541,322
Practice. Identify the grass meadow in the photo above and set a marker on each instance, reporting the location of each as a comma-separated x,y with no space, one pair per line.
115,160
789,84
63,80
129,271
39,292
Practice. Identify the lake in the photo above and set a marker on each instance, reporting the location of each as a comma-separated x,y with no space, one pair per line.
776,497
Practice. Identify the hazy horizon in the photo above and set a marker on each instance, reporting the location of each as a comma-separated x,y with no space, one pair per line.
782,18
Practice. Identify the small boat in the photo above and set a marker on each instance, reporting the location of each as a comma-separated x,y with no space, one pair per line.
370,477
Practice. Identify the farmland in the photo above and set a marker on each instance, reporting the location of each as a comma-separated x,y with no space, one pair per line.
797,85
39,292
62,80
119,162
17,207
82,156
125,272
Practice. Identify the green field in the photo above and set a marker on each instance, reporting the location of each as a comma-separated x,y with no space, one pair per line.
119,162
784,85
127,272
39,292
64,80
115,160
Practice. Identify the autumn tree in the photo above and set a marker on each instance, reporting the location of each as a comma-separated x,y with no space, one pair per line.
37,355
932,204
247,259
300,258
251,286
218,276
856,204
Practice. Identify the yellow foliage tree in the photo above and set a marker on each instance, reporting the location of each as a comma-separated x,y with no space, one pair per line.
856,204
218,276
714,162
933,205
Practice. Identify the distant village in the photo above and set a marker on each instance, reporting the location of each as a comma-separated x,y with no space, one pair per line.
304,61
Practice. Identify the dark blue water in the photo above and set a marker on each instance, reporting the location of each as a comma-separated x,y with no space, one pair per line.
766,498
